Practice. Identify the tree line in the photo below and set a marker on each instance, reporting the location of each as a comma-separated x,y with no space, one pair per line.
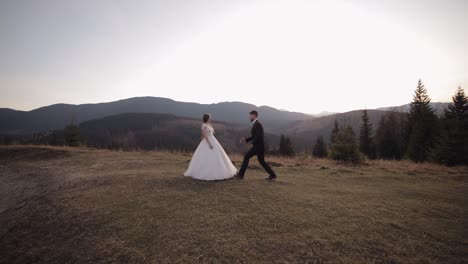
420,135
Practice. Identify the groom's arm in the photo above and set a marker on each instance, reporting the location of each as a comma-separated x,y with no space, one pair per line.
257,134
254,137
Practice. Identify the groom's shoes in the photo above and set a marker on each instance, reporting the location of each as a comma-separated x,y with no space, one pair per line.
240,177
271,178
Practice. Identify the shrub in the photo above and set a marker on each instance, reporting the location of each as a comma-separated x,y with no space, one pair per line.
345,147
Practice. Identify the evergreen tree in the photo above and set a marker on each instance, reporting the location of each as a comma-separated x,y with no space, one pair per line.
345,147
320,148
335,131
390,136
422,125
281,144
72,135
458,108
289,147
384,140
452,148
366,144
285,147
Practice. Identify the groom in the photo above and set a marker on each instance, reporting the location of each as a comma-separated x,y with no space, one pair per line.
257,141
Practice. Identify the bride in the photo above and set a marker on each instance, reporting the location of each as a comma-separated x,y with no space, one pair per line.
209,161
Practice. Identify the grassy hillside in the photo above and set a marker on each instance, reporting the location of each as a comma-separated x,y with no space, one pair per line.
152,131
62,205
145,131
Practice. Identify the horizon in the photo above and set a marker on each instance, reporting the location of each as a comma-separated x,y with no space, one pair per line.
289,55
158,97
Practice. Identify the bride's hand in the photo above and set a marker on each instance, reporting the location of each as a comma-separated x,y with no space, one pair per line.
242,140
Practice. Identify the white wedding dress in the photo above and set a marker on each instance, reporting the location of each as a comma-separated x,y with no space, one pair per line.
210,164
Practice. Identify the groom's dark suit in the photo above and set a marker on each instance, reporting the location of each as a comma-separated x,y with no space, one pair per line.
258,148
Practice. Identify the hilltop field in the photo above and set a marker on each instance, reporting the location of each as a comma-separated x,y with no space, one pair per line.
79,205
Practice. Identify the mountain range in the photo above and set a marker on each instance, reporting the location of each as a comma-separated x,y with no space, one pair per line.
58,115
438,108
146,121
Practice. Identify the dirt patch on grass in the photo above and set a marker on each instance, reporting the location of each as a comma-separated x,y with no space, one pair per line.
31,153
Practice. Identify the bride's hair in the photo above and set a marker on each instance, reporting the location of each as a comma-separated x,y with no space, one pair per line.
206,117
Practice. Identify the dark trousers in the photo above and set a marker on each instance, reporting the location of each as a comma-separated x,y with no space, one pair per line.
260,152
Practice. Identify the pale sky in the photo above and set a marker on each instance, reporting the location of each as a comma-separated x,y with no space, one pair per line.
307,56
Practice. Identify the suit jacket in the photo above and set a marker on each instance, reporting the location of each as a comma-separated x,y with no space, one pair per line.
258,138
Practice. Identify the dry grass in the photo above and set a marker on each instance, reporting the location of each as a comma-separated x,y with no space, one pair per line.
61,205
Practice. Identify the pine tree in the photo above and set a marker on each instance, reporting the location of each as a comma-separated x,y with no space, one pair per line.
458,108
345,147
334,132
281,145
320,148
390,136
285,147
289,147
452,148
422,125
384,140
366,144
72,135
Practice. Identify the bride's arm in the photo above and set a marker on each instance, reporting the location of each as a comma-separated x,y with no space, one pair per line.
205,137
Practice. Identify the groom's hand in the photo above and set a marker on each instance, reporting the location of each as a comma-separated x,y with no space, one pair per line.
242,140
